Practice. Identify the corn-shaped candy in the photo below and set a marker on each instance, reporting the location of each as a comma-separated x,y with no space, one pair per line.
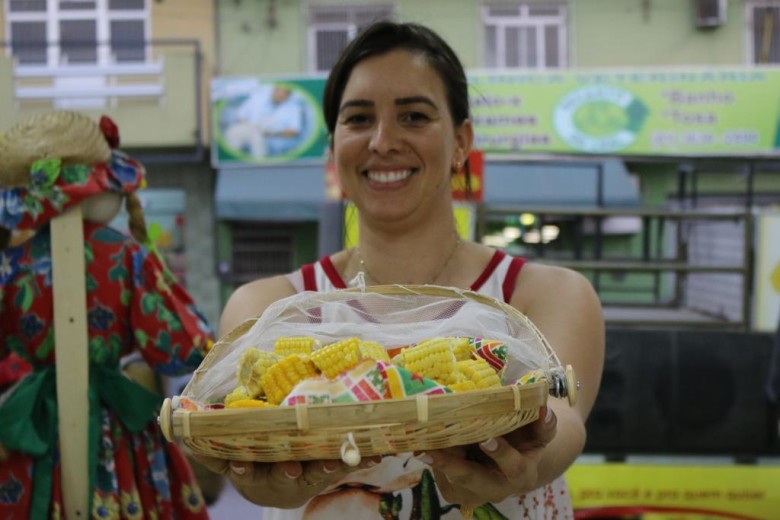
431,358
479,371
244,372
261,366
281,378
337,357
373,350
287,345
462,348
248,403
239,393
463,386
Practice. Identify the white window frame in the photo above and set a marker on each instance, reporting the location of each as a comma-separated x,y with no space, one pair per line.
750,9
102,16
524,19
350,25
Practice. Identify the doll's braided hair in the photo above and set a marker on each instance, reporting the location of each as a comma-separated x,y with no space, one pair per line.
136,221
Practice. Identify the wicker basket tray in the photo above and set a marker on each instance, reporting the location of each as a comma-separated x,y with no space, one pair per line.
352,430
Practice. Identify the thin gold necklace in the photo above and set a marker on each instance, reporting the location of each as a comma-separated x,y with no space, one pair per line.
364,268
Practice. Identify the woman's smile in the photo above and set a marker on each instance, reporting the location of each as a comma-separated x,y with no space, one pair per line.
389,179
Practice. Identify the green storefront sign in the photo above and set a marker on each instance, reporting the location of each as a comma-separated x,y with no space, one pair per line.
633,112
707,112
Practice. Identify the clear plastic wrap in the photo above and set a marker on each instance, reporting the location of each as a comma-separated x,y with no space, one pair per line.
394,316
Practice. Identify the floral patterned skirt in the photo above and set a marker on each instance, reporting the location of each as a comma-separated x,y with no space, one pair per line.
138,476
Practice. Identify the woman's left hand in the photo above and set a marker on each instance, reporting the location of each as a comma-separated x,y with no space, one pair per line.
494,469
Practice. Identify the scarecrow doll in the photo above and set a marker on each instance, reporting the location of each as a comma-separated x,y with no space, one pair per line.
49,164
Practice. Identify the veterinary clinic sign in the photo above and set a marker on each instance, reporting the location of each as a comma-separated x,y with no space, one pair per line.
262,122
652,112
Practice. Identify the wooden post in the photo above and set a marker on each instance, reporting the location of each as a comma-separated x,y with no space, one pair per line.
72,359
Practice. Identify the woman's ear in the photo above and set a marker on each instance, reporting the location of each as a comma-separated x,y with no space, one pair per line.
464,139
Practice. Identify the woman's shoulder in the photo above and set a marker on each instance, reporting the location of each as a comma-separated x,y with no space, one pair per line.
251,299
539,285
539,276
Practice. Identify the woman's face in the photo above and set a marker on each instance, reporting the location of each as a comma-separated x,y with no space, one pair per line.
395,143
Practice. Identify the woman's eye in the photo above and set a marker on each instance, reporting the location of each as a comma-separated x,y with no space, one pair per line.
416,117
355,119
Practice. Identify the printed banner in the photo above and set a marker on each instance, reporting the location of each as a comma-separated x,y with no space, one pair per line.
679,492
633,112
647,112
266,122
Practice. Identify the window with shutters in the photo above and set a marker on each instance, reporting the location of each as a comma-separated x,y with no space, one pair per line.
332,28
525,36
78,32
764,27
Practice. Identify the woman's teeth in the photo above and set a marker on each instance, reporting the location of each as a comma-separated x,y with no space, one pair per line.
387,177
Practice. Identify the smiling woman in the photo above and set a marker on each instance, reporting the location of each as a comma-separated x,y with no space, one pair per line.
396,108
396,146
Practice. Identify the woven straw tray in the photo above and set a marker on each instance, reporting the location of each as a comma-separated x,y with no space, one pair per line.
353,430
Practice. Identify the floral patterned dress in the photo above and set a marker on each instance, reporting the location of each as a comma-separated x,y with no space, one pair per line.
12,369
133,303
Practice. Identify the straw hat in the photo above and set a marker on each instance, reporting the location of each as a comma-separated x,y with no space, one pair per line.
70,136
52,162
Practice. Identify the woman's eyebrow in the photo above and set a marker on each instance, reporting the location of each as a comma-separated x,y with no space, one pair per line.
365,103
358,103
411,100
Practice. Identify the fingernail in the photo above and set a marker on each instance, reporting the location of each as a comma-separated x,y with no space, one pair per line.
549,416
329,467
291,476
238,470
490,445
425,458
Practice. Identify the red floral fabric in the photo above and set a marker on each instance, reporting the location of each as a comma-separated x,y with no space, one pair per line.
133,303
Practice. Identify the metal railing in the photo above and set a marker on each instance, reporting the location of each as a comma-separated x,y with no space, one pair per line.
665,259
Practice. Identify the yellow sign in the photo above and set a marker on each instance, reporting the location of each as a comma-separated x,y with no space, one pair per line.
465,221
681,492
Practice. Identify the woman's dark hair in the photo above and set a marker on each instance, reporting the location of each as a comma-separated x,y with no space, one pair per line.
385,36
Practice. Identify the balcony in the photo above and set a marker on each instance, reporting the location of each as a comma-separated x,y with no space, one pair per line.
157,99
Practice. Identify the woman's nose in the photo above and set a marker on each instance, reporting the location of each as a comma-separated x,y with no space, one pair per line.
385,138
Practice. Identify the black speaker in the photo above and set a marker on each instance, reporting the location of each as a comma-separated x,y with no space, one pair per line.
632,408
683,392
721,405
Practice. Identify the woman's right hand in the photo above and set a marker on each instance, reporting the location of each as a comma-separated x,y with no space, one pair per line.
284,485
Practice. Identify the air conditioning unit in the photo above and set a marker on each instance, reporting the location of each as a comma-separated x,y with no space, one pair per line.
709,13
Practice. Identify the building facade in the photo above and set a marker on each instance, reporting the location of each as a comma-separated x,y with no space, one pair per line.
146,64
165,71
